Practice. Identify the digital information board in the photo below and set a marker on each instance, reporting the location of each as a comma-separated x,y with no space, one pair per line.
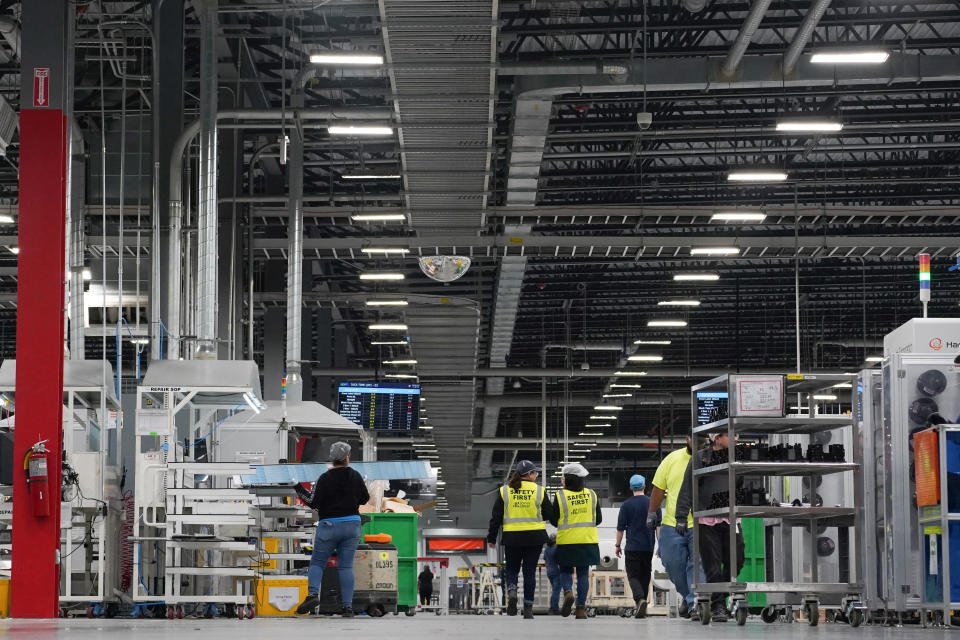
707,401
380,406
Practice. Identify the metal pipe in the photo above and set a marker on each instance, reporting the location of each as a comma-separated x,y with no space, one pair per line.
802,36
78,183
742,41
175,204
206,347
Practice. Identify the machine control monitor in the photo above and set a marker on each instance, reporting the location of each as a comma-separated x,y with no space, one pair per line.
381,406
707,402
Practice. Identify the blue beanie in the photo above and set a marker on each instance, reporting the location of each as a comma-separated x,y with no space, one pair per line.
637,482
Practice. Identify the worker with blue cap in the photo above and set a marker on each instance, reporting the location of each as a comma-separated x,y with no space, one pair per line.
640,543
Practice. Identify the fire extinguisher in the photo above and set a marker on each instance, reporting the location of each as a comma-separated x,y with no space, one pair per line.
38,485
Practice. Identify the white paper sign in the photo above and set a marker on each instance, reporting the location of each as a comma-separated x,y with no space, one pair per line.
152,422
283,598
760,395
933,555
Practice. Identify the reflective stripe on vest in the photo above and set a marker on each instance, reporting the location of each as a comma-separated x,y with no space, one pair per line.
583,527
519,514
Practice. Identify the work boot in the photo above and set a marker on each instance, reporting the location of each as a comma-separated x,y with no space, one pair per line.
568,600
527,611
511,602
683,610
693,614
719,614
641,611
347,612
581,613
308,605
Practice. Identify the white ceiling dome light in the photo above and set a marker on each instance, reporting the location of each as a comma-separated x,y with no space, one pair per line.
444,268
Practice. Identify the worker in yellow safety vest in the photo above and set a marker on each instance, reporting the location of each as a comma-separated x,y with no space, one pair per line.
520,510
576,517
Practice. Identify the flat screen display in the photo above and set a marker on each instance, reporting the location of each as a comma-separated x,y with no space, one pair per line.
380,406
707,401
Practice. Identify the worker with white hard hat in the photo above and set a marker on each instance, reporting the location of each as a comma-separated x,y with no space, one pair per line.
576,518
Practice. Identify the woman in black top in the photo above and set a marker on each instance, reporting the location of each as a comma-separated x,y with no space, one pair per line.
337,496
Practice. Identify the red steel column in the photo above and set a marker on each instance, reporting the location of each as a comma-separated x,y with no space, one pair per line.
40,295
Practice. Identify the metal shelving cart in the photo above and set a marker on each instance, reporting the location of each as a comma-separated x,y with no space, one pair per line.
770,427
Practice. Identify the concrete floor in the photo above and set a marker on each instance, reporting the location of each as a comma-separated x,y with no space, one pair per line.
429,626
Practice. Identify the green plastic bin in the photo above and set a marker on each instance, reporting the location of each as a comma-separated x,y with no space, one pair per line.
754,552
407,583
403,528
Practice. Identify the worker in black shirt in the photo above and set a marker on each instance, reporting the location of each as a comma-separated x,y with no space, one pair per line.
520,509
337,496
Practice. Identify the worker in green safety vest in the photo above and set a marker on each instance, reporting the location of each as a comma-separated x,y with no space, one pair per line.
576,518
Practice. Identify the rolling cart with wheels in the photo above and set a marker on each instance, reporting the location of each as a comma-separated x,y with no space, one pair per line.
755,410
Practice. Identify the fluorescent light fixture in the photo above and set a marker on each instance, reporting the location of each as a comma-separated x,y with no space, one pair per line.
423,410
422,444
603,418
383,343
576,457
799,408
250,402
139,340
678,303
738,216
371,176
359,130
399,362
607,408
824,396
386,303
849,57
874,358
14,249
843,385
426,427
714,251
584,444
618,395
378,217
87,274
626,386
629,373
590,433
346,58
382,276
401,376
756,175
667,323
645,358
6,219
690,277
385,250
653,342
592,425
388,327
811,125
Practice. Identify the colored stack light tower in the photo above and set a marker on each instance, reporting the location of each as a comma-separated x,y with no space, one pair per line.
924,281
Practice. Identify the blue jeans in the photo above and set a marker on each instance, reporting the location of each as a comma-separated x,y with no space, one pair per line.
676,551
583,582
342,537
554,579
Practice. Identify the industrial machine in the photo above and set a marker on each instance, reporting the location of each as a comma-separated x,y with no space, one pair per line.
91,506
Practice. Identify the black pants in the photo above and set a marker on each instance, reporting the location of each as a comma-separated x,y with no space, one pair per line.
638,572
425,595
527,556
715,556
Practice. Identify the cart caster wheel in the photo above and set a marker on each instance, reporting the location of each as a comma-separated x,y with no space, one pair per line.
171,613
742,614
90,611
855,618
769,615
180,612
251,612
438,612
704,613
410,613
812,612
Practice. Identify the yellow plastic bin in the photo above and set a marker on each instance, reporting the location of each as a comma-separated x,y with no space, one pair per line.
279,595
4,598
